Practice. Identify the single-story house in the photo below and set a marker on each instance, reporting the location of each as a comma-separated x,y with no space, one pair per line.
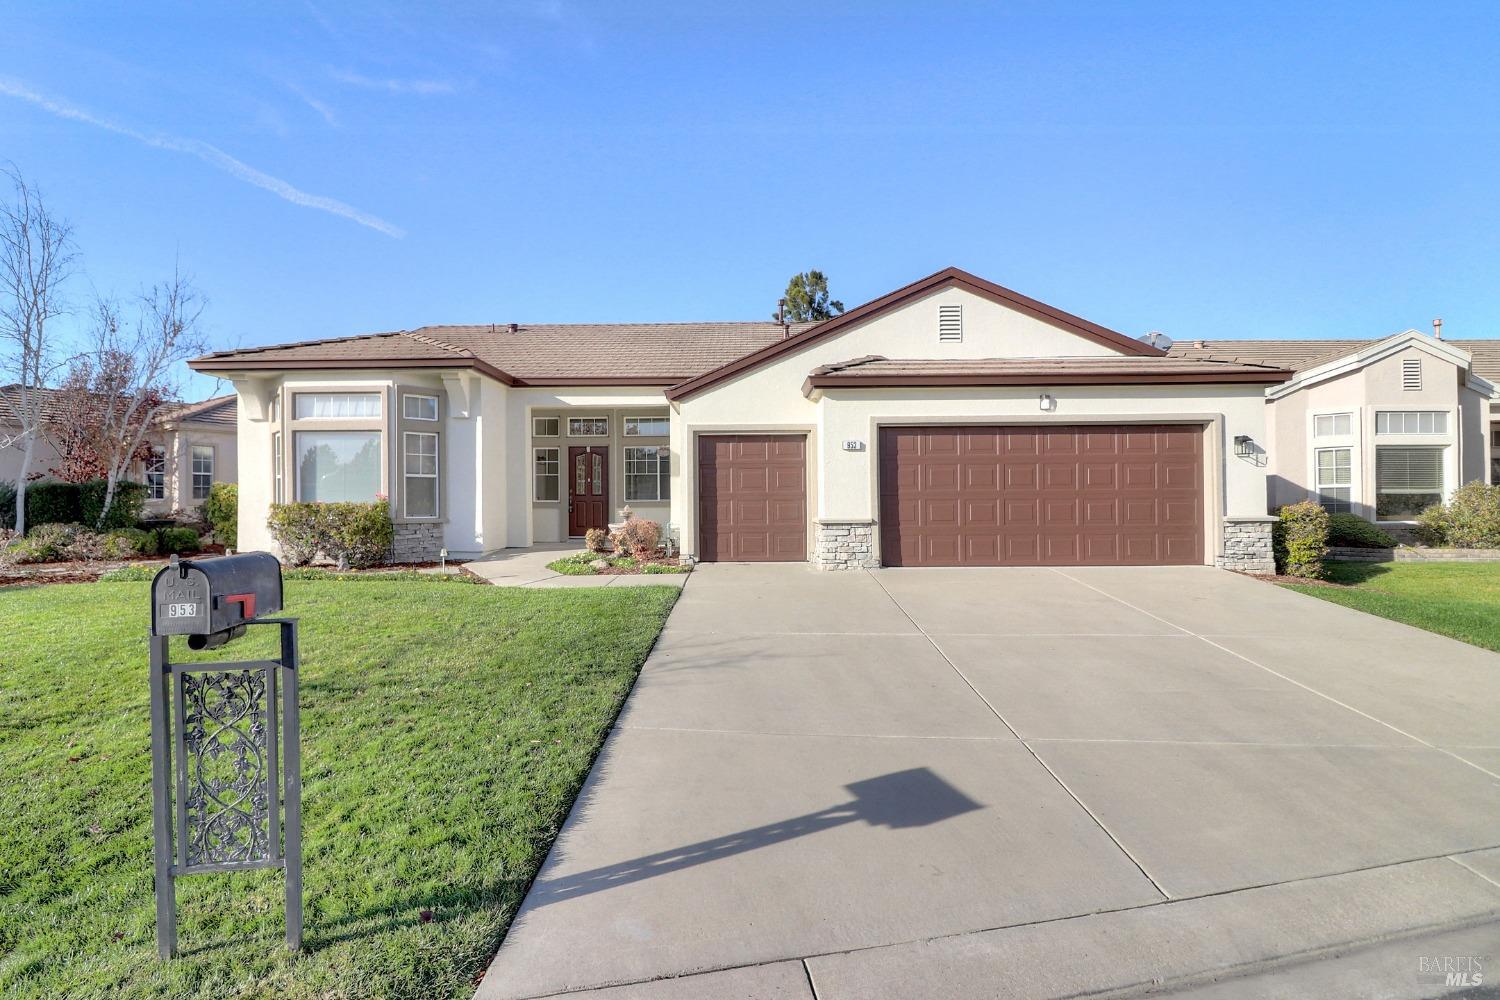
950,422
193,446
1381,428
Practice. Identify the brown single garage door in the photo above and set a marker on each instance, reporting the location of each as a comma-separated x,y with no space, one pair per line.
1041,496
752,498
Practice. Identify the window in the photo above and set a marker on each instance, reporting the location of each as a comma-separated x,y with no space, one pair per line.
647,427
420,468
1333,479
1411,374
1407,481
278,487
545,473
647,474
1331,425
415,407
544,427
950,324
581,427
1495,437
203,470
336,405
1411,422
337,465
276,408
156,475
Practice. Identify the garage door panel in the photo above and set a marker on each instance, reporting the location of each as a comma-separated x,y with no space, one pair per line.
1065,495
752,503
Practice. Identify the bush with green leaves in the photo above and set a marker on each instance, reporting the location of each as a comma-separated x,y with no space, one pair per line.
1470,519
297,528
125,508
134,541
1300,540
222,511
49,502
177,541
7,506
1351,531
350,534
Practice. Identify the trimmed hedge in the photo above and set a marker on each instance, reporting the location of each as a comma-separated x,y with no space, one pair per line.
355,535
222,510
1300,540
52,502
1351,531
125,509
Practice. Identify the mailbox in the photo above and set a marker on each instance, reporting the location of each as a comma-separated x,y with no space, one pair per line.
210,600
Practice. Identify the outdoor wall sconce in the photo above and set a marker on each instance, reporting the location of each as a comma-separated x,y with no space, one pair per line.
1047,403
1243,446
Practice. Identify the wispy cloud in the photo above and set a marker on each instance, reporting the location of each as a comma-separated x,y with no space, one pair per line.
321,107
424,88
209,154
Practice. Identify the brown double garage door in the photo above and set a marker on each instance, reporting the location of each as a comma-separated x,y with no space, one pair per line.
974,496
1041,496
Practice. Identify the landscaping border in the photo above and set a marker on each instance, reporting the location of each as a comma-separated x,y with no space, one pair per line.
1413,554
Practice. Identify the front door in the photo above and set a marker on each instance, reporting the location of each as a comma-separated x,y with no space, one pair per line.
588,489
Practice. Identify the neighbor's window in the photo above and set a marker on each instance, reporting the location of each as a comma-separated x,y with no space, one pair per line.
417,407
1411,422
336,405
579,427
337,465
1407,481
278,486
420,467
1334,479
646,474
1331,425
203,470
156,474
646,427
545,465
544,427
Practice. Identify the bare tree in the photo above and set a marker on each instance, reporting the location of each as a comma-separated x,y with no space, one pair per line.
136,369
36,258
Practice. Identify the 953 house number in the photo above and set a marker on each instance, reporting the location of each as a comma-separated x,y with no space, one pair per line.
182,610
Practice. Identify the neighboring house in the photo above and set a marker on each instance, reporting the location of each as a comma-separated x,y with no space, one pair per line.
951,422
1382,428
192,446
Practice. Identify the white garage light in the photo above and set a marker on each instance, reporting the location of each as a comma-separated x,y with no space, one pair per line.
1047,403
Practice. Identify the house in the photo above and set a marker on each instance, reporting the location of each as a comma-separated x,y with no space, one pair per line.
1381,428
193,446
950,422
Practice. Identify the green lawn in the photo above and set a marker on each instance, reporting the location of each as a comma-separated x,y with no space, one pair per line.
1461,600
446,730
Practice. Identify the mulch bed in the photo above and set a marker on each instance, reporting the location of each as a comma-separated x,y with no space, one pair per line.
635,570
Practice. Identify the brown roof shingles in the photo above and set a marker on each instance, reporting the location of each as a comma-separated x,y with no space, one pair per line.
1302,354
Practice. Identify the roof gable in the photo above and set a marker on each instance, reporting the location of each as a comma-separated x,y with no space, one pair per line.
1097,337
1363,356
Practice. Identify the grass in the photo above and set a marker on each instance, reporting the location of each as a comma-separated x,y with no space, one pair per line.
446,731
1460,600
581,564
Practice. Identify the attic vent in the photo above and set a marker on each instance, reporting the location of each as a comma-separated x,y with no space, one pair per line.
950,324
1411,374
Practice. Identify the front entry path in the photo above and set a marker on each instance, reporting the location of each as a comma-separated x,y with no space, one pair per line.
1024,783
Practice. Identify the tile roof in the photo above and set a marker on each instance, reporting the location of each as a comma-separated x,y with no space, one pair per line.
874,370
1301,354
219,411
551,352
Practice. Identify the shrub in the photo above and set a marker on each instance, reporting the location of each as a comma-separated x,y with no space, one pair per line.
56,543
357,534
49,502
7,506
1354,532
132,541
222,510
1300,540
178,540
1471,519
596,539
638,537
125,509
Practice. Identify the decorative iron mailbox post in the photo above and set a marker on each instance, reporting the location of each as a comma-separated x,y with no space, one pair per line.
235,801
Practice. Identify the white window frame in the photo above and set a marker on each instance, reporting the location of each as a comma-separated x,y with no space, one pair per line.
633,426
1321,488
278,464
406,413
1333,419
556,474
406,473
193,467
382,473
662,472
596,420
1439,416
556,430
376,395
158,489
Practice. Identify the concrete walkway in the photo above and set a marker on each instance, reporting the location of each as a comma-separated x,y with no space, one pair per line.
528,568
1025,783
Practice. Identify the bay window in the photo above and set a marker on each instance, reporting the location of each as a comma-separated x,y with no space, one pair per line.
1408,480
336,405
647,474
420,474
337,466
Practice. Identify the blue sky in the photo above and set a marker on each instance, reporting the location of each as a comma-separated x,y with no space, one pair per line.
1208,170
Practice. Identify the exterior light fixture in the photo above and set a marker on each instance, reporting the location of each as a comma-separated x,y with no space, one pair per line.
442,558
1243,446
1047,403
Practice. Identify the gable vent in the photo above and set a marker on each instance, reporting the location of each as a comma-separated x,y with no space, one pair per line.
1411,374
950,324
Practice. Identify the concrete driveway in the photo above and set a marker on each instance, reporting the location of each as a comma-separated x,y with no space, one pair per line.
1025,783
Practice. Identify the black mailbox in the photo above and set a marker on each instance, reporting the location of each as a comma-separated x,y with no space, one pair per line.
210,600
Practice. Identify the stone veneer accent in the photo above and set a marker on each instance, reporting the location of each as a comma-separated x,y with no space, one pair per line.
846,545
1247,545
1405,554
417,541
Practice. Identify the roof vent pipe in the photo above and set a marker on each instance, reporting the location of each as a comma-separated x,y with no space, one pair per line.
1437,328
515,328
786,330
